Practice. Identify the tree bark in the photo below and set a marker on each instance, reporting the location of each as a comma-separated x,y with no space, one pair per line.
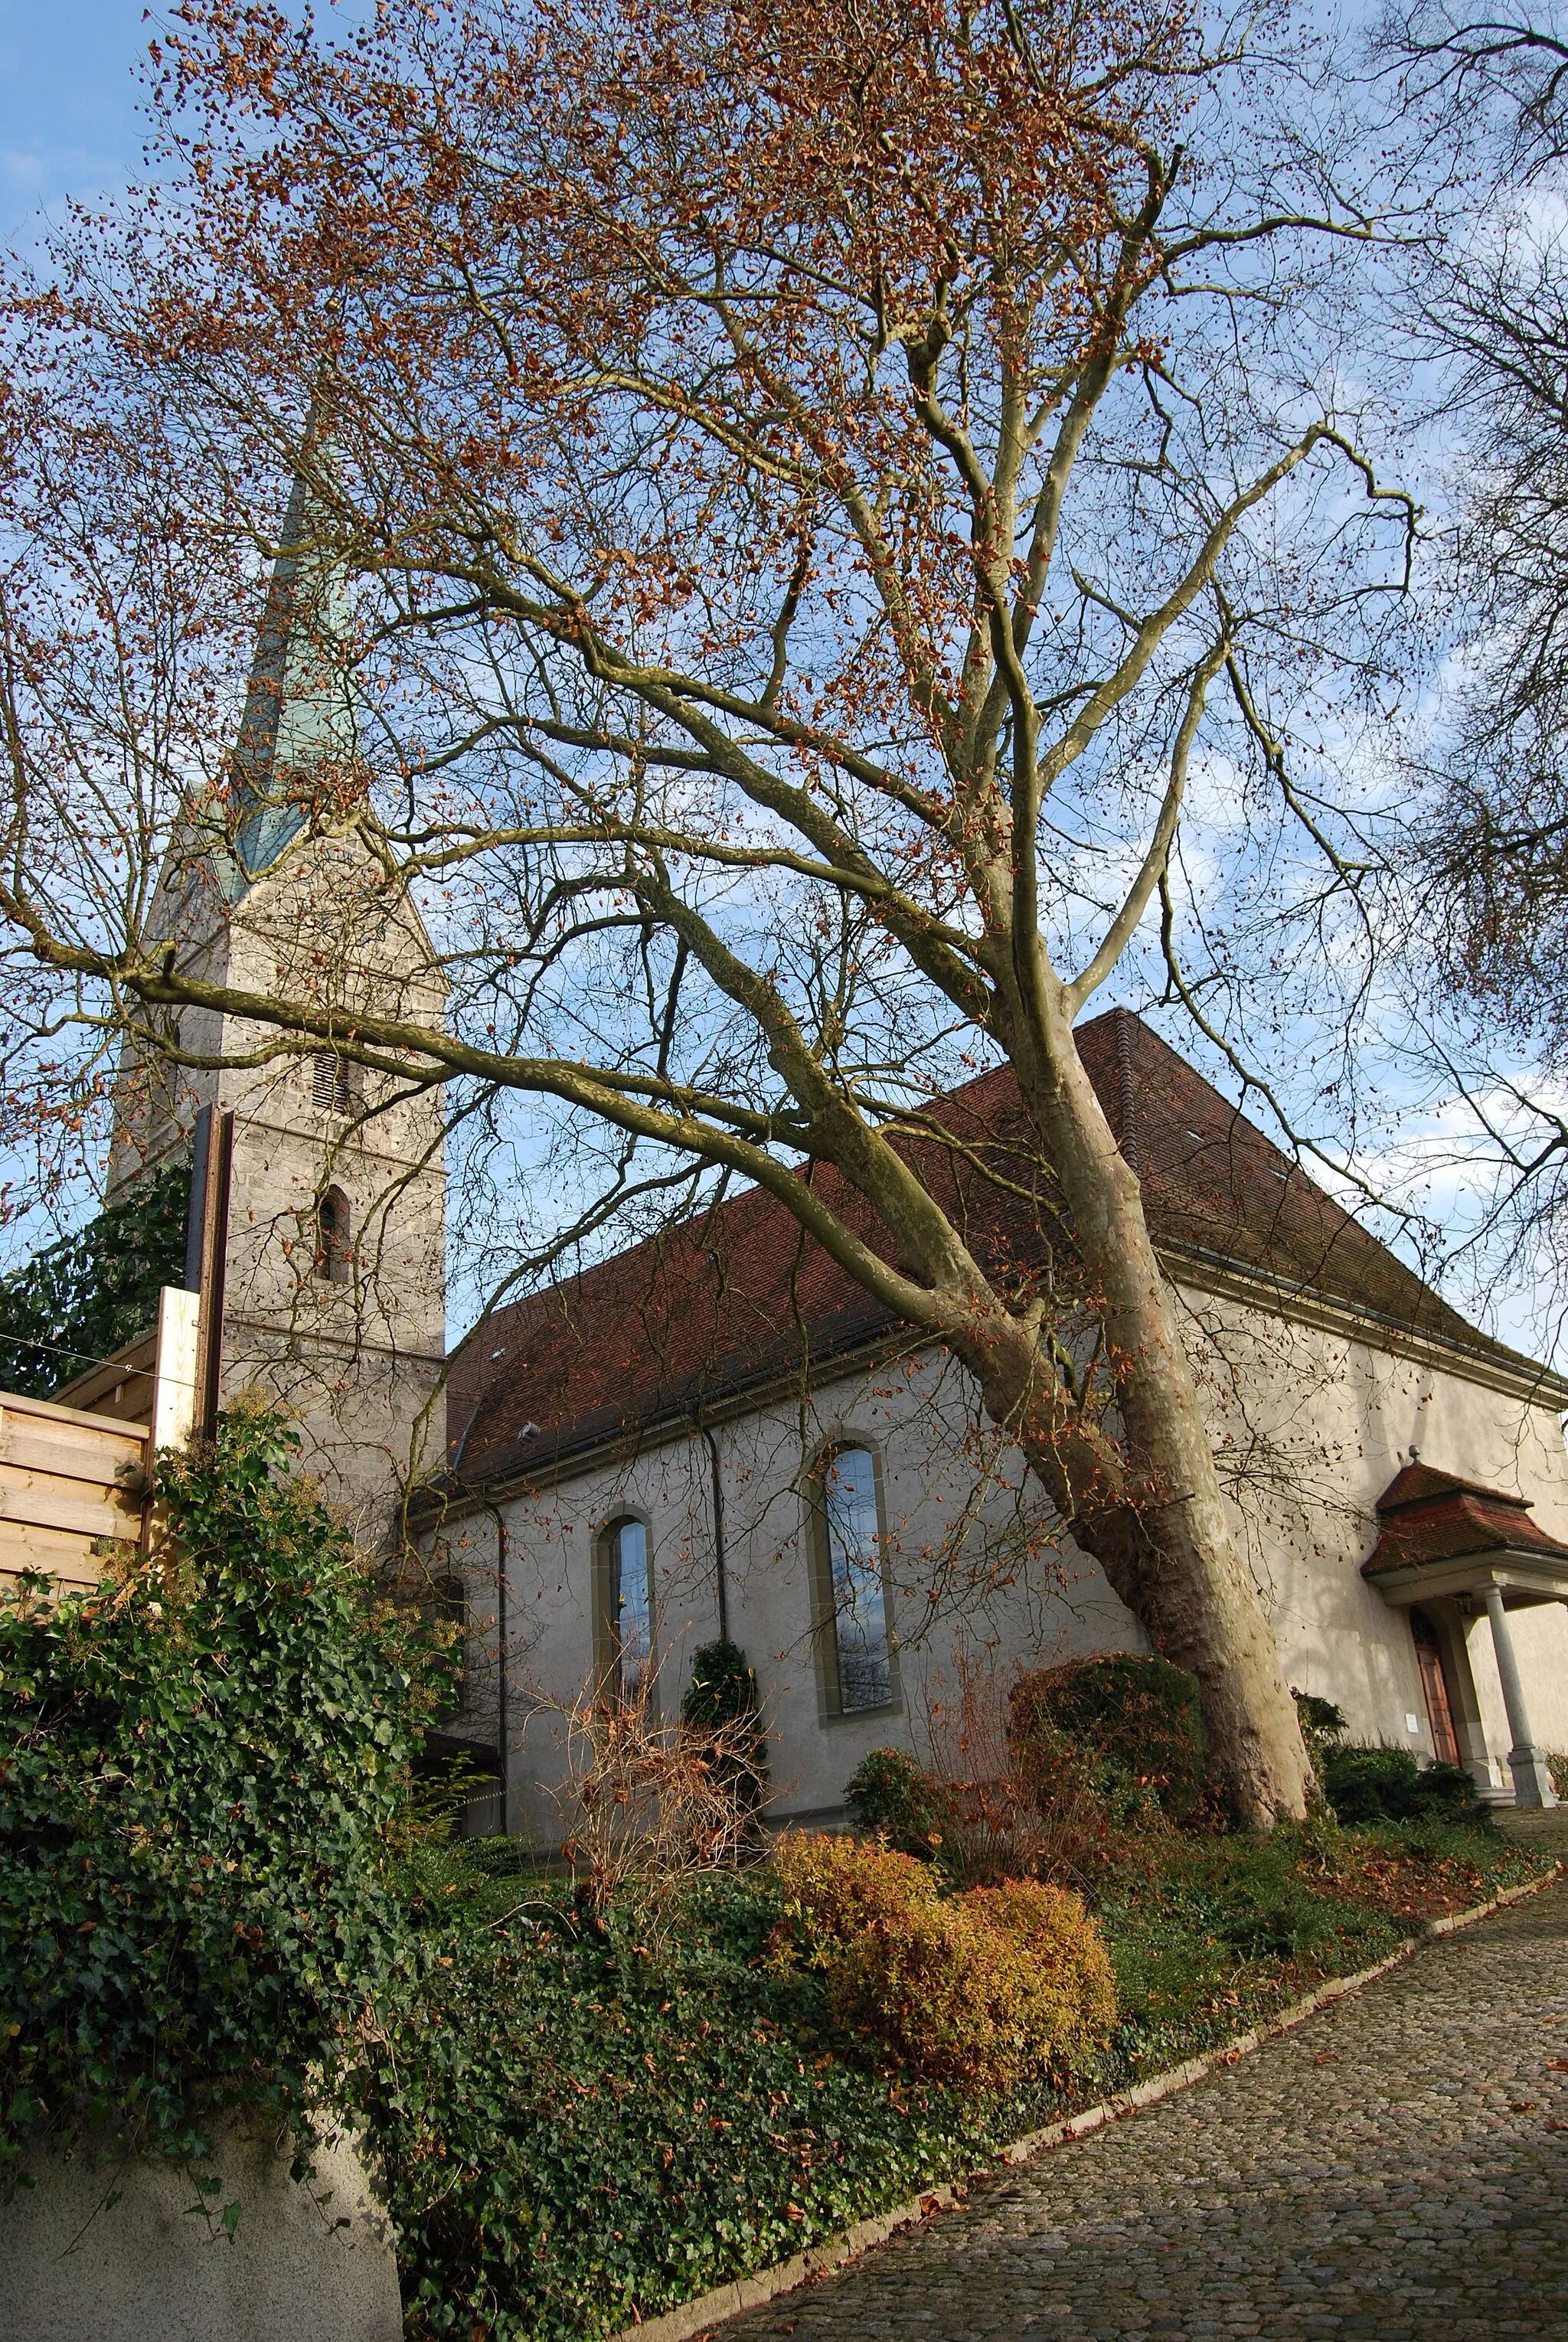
1149,1508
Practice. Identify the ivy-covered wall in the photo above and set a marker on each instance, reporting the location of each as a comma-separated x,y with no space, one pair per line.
78,1301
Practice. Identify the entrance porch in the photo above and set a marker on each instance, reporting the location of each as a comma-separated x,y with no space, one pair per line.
1448,1552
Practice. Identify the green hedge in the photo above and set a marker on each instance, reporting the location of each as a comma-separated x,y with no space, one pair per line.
1372,1784
198,1772
892,1796
720,1698
1129,1731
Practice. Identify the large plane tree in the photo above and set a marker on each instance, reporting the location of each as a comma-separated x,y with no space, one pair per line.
806,495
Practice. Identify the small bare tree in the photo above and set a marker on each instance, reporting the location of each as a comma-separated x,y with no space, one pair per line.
645,1803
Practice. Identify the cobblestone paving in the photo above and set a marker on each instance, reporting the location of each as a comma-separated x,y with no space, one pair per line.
1396,2167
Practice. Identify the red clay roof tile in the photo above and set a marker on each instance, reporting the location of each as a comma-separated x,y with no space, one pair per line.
735,1298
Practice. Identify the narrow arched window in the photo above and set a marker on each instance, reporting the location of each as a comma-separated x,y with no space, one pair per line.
333,1257
627,1611
859,1636
445,1604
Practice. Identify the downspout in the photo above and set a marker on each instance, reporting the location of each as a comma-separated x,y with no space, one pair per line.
503,1572
721,1582
503,1705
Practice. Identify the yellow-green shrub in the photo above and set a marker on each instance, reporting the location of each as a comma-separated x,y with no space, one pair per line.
982,1989
1072,1990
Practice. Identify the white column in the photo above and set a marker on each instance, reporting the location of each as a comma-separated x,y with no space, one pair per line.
1532,1780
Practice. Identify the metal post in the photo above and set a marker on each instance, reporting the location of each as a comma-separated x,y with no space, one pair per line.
1532,1779
503,1679
502,1702
207,1252
197,1213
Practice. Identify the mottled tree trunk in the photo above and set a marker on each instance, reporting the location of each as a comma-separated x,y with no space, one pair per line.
1147,1506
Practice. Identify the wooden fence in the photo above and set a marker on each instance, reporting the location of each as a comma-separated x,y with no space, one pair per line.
75,1480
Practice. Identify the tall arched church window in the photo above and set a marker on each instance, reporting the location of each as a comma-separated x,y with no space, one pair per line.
627,1611
859,1642
332,1259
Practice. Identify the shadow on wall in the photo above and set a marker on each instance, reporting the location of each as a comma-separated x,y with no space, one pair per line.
150,2267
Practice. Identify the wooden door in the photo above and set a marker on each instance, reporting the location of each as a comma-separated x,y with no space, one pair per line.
1433,1682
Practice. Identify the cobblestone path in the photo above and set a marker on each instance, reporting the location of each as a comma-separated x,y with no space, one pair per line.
1395,2168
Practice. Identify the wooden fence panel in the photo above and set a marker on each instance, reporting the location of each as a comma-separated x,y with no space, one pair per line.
74,1484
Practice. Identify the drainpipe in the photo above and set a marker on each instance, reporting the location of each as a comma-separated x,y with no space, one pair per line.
721,1582
1532,1779
503,1704
503,1571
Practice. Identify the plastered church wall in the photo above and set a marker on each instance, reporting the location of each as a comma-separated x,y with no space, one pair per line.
1310,1424
1004,1592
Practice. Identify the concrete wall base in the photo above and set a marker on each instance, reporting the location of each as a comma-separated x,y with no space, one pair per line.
306,2263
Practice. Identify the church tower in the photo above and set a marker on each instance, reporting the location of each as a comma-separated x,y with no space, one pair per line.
319,1187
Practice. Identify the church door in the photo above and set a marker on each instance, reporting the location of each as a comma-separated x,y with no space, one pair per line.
1433,1682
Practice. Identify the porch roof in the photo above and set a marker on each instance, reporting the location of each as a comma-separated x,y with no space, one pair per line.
1441,1535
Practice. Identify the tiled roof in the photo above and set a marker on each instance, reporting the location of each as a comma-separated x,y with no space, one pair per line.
735,1298
1429,1516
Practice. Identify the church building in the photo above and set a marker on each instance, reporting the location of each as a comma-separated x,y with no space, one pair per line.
719,1434
716,1435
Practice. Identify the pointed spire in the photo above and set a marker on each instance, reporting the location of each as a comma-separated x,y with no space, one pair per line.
298,728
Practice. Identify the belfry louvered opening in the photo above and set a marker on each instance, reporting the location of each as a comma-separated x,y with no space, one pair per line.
331,1090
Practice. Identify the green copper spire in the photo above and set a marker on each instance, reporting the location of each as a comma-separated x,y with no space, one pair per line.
297,736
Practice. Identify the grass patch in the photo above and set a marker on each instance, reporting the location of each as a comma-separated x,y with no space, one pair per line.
585,2124
1209,1935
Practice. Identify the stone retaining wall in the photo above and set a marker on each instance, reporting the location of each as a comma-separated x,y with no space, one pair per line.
99,2252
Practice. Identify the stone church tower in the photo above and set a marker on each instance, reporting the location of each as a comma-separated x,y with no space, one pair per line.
318,1186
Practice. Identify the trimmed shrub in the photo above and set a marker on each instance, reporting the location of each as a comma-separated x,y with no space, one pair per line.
894,1797
1127,1730
1387,1784
199,1773
981,1990
720,1703
1072,1988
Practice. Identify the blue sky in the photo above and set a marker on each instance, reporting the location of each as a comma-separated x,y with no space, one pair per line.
70,127
68,119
